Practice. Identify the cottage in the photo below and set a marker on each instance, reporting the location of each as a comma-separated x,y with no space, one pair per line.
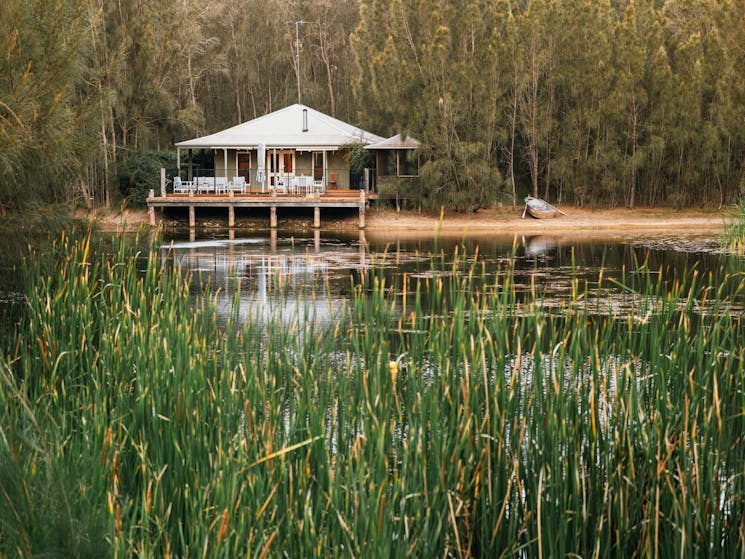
293,157
272,151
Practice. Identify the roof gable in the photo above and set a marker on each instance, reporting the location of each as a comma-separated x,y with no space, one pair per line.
396,142
284,128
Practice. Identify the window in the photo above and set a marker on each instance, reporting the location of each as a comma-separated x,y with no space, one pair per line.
387,163
408,163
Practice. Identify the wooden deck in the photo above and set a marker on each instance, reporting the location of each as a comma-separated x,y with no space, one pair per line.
331,199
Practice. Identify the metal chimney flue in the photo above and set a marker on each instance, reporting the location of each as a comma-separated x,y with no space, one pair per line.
305,120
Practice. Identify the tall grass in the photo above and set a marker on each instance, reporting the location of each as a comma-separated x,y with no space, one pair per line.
465,419
734,235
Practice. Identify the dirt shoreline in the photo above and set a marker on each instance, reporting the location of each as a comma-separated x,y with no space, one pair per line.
500,221
596,223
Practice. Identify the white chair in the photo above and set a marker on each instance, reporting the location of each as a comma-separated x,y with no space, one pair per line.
182,187
178,186
205,185
221,185
238,184
301,184
318,186
280,185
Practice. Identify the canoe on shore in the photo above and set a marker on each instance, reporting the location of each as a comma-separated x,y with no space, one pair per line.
540,209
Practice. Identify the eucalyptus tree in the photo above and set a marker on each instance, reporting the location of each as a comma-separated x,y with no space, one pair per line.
730,90
584,76
44,110
535,86
147,58
326,59
629,97
707,51
427,68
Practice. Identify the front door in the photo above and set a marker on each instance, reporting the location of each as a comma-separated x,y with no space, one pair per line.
244,166
281,164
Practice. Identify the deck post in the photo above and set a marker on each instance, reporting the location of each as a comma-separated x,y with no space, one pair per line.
273,217
231,216
362,209
192,218
316,217
151,211
162,182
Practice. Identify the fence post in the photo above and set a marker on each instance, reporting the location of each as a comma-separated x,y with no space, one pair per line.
162,182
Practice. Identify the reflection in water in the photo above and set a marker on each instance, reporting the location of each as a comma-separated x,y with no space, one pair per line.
539,246
294,278
289,278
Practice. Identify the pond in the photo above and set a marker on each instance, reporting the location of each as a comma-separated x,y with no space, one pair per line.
295,275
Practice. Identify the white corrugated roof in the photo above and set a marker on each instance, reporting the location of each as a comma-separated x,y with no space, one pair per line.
396,142
284,128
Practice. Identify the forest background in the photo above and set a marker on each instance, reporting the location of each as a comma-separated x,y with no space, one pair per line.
593,103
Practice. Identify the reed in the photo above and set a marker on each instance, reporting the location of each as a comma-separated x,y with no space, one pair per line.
466,418
734,235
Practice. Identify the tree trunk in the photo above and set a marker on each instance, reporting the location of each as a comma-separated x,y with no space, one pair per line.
327,64
512,144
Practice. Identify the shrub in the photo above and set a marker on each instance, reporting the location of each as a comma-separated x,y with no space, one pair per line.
141,173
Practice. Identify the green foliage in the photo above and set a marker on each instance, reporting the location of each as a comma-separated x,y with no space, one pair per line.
405,193
600,103
359,157
141,173
44,143
42,512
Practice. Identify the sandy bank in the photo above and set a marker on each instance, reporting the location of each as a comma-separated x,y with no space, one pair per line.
502,221
605,223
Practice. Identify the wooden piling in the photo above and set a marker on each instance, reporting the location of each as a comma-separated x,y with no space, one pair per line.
362,209
151,211
316,217
273,217
231,216
192,217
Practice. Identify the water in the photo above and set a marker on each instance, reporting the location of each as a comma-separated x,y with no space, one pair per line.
292,276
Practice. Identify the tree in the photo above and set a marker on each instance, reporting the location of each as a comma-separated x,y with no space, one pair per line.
42,148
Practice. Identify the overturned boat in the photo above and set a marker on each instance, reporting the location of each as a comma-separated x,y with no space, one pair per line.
540,209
